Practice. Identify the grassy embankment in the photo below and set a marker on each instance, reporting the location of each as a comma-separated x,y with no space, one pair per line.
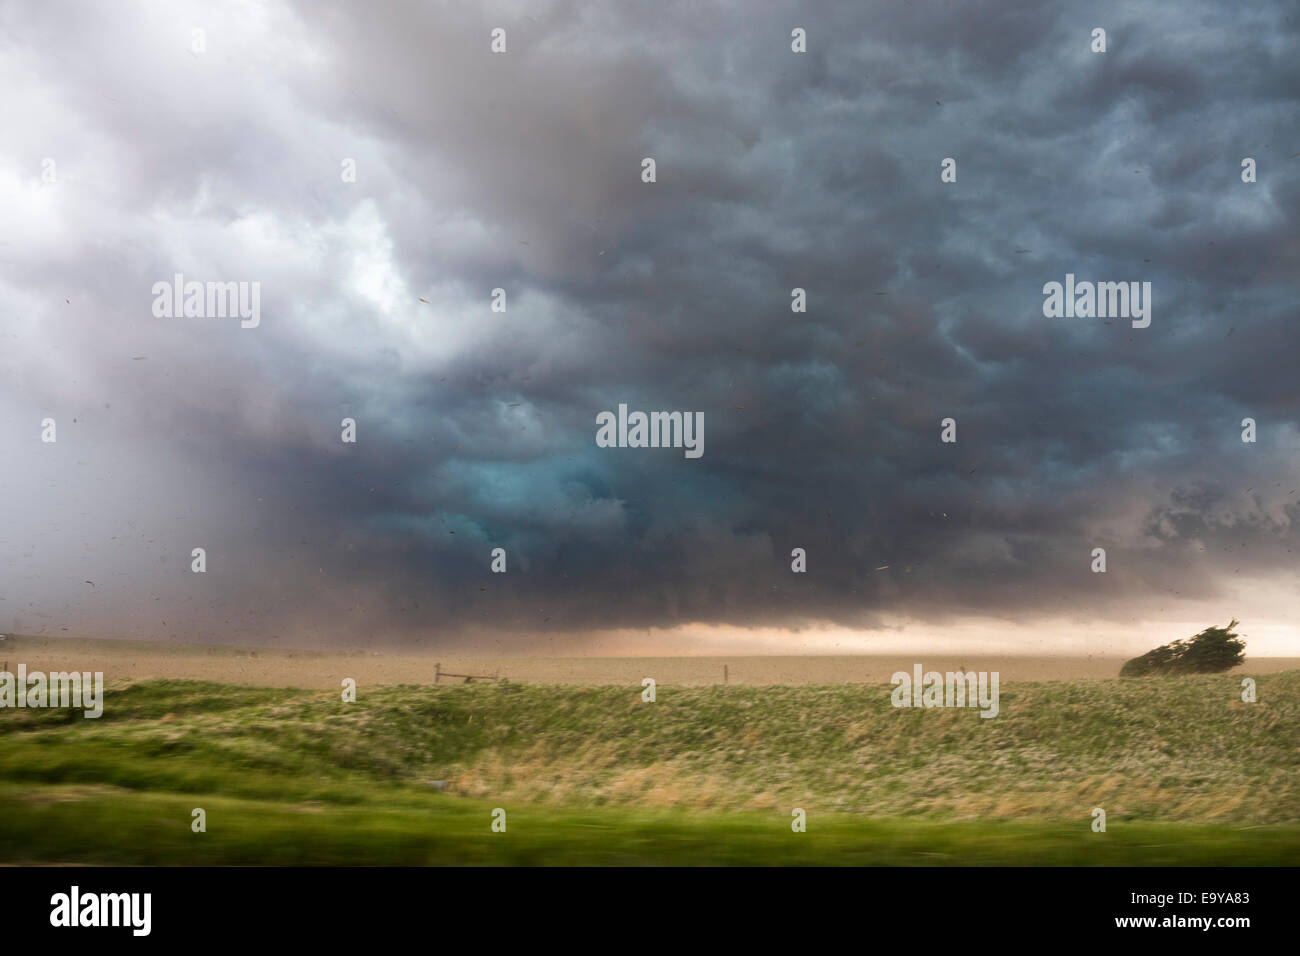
1187,773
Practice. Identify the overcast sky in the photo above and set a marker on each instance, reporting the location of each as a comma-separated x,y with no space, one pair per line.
775,170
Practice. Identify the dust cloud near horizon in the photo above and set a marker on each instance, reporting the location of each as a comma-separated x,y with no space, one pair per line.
129,661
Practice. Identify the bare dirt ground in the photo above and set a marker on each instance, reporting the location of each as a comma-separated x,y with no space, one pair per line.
283,667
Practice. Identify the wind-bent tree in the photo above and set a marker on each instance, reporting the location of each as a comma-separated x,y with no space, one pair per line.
1213,650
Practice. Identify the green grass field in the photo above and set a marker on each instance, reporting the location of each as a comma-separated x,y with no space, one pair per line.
1187,773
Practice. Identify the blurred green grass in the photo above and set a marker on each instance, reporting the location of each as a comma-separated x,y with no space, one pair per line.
1187,773
103,825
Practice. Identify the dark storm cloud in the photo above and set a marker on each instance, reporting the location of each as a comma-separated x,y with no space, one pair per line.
522,171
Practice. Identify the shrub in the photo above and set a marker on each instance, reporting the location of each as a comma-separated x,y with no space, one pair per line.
1213,650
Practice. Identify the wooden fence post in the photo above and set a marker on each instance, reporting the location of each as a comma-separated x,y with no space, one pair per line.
437,672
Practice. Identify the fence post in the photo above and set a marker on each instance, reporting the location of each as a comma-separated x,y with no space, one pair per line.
724,673
437,672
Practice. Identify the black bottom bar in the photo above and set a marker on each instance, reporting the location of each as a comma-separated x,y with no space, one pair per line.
955,907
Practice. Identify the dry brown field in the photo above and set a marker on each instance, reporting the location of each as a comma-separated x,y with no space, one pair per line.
324,669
